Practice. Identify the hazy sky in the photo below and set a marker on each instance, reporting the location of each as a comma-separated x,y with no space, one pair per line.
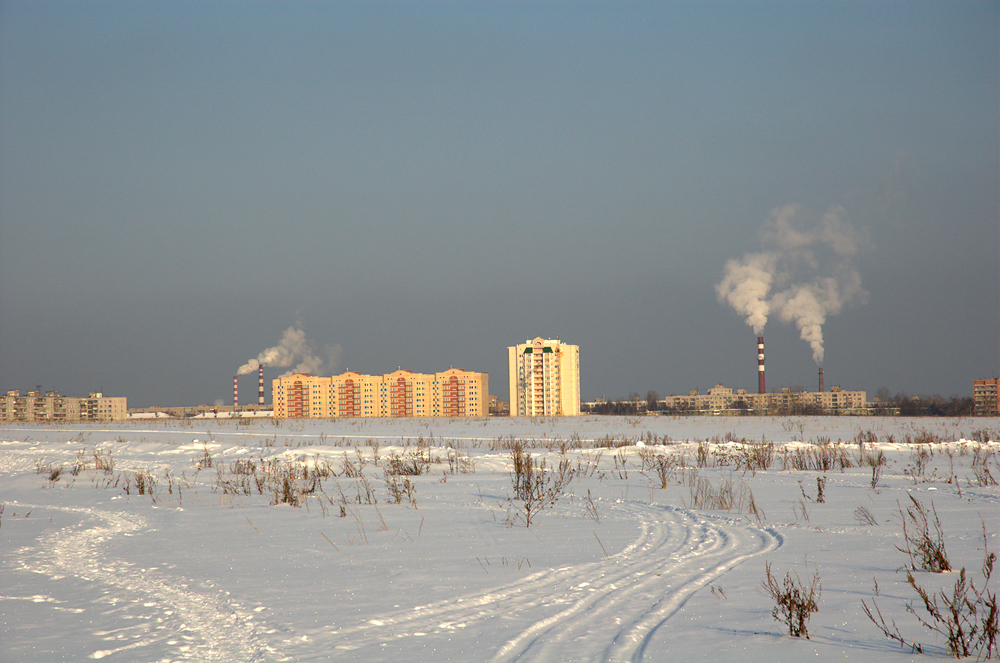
422,184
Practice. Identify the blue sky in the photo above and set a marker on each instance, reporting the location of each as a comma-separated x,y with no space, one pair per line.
424,184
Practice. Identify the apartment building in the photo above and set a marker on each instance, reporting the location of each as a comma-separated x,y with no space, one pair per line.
839,400
984,397
403,393
721,399
544,378
52,406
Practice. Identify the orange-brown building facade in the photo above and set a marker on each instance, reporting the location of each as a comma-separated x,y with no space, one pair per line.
453,393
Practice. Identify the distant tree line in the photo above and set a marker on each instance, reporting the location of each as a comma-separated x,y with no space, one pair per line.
618,408
927,406
633,406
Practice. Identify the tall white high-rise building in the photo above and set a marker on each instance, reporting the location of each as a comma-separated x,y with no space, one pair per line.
544,378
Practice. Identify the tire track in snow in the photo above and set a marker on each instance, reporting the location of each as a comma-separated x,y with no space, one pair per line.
602,611
619,620
734,545
174,619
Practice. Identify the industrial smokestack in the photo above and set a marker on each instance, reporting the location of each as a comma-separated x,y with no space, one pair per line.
236,393
821,379
760,365
260,385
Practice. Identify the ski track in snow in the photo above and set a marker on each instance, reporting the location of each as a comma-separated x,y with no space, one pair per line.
153,614
598,611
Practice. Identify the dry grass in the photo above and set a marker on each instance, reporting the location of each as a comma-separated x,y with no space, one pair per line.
924,549
536,487
820,458
794,601
864,516
727,495
967,617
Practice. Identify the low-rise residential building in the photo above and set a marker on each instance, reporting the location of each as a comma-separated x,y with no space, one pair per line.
52,406
721,399
403,393
984,397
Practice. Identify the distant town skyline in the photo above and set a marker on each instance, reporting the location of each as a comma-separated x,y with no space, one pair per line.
424,184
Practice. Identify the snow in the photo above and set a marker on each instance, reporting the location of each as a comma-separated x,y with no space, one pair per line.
618,569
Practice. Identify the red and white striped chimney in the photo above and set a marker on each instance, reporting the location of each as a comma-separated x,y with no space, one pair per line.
260,384
760,365
236,392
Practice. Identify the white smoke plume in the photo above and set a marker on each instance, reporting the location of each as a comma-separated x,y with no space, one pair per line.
803,275
294,349
746,285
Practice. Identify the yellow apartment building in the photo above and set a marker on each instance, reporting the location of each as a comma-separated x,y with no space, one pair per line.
453,393
544,378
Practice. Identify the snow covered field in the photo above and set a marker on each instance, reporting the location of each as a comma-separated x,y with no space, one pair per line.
286,540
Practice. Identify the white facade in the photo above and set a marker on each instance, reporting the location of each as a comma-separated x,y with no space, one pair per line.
544,378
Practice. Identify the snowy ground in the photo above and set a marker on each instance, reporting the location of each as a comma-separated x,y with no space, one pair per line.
618,569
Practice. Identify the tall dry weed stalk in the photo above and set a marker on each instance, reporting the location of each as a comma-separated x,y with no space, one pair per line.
536,486
967,617
924,549
794,601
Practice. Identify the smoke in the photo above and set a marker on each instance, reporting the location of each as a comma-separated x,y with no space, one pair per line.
293,349
746,285
802,275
